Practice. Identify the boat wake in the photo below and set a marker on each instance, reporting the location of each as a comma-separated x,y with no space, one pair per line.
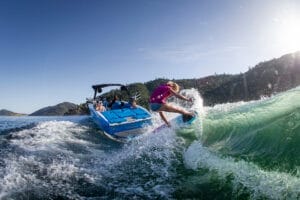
63,159
243,150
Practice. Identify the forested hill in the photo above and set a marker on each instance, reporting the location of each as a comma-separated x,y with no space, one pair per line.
4,112
64,108
264,79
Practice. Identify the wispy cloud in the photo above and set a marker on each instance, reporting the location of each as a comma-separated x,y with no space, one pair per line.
186,53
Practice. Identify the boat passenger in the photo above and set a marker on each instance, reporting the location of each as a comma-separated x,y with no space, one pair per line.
116,103
105,103
100,107
131,104
158,100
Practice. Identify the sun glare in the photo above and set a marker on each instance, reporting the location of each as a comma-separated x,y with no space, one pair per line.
289,33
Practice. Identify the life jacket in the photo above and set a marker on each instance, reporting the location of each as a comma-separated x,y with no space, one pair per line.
160,94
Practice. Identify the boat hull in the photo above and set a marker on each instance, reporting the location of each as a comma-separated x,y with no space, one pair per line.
121,123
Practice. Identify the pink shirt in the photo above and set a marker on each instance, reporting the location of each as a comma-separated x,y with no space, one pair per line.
160,94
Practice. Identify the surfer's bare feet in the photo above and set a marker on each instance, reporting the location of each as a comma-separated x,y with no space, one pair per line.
169,125
191,114
188,116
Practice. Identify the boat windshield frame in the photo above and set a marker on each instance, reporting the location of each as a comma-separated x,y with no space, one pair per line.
98,88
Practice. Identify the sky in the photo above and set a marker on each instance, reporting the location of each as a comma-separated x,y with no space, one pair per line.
52,51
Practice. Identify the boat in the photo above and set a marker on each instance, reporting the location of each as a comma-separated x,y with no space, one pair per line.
118,123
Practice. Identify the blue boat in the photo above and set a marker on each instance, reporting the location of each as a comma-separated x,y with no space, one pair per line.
118,123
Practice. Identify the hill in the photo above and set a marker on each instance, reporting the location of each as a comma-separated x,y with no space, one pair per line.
57,110
4,112
264,79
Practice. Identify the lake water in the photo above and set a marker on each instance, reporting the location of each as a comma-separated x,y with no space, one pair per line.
244,150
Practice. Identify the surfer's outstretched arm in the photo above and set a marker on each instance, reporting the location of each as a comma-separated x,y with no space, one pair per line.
176,94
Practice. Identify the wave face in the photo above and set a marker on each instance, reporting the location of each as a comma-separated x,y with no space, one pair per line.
247,150
244,150
266,132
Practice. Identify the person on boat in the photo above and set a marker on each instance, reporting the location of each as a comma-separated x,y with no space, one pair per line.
158,100
105,102
115,103
131,103
100,107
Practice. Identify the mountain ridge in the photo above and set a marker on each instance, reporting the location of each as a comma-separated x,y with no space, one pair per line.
56,110
4,112
264,79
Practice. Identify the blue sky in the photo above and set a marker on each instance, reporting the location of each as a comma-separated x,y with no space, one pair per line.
54,50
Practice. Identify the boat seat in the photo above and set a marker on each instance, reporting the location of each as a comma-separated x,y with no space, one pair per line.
140,113
112,117
120,115
126,112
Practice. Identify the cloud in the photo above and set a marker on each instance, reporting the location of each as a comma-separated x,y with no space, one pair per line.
186,53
